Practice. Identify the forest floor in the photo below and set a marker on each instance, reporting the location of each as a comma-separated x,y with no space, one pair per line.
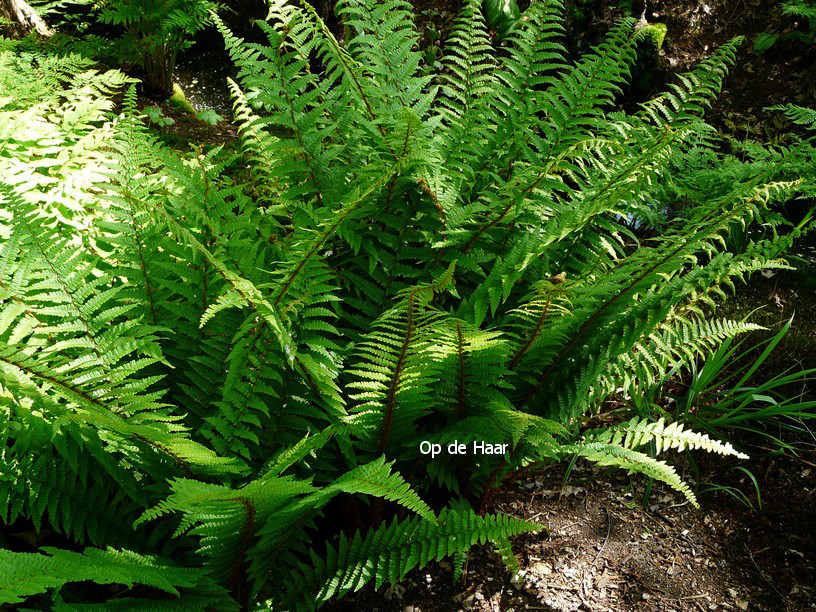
607,550
610,547
786,73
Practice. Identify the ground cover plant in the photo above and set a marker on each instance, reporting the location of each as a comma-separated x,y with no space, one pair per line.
221,401
154,34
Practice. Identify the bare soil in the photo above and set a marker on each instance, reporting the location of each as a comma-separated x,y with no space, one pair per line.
609,548
784,74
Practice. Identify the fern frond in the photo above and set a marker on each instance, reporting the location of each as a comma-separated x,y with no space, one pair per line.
799,115
396,366
390,551
639,432
28,574
635,462
618,446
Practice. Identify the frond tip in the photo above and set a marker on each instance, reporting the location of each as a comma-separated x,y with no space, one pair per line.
618,446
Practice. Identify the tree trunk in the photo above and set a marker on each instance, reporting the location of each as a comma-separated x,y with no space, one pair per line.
23,18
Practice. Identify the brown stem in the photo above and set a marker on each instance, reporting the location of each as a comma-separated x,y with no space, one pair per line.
487,493
533,335
185,467
508,208
423,184
237,576
393,387
460,395
391,399
308,377
393,182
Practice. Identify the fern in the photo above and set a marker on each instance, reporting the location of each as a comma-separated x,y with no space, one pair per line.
28,574
618,446
238,377
806,10
392,550
798,114
153,33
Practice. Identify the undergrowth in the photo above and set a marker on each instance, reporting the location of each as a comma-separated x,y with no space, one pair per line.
222,398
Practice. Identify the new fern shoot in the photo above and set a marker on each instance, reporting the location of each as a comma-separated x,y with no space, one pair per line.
195,383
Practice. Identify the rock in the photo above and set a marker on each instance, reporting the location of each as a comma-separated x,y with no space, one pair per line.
542,568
